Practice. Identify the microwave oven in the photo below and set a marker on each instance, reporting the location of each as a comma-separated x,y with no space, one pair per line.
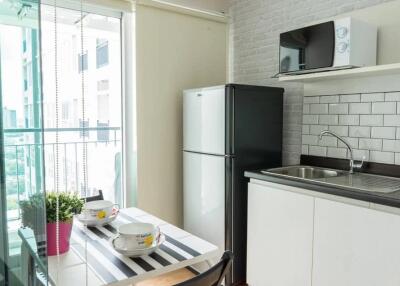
337,44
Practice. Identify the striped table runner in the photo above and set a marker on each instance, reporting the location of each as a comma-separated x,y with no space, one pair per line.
180,249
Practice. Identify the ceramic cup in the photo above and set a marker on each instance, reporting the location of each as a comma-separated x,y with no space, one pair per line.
100,209
137,235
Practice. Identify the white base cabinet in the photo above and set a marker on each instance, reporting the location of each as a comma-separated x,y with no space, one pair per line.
279,238
299,239
355,246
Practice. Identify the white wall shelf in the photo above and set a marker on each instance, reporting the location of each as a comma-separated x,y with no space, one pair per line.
389,69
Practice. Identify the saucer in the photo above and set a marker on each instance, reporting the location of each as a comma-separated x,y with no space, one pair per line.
140,251
96,222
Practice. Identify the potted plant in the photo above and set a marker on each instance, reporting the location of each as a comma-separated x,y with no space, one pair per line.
69,204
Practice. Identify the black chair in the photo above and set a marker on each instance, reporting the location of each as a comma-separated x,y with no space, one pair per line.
99,197
214,275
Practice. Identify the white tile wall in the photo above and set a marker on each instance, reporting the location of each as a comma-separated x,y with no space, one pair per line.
384,108
350,98
360,131
338,108
391,120
391,145
350,120
340,130
372,97
317,150
328,119
329,99
382,157
360,108
397,158
370,122
392,96
337,152
383,132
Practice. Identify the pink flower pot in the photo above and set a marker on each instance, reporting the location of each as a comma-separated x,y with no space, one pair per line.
64,237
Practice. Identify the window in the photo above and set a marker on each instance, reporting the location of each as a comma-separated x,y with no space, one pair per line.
24,46
83,62
65,111
103,85
103,101
25,72
101,53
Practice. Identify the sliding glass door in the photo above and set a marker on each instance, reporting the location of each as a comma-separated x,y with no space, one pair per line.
90,120
22,219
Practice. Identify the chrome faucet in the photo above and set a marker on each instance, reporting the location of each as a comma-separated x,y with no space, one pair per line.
353,165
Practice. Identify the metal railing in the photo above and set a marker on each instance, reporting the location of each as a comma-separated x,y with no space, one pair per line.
25,152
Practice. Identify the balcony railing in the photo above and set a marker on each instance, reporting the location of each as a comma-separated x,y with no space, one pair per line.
23,181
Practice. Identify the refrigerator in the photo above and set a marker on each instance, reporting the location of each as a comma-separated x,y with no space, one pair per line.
226,130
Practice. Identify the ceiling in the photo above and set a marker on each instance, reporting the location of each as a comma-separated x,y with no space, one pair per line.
210,5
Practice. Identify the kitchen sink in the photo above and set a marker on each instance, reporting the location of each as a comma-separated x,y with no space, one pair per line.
305,172
323,176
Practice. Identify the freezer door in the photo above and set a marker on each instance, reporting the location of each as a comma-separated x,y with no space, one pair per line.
204,120
204,196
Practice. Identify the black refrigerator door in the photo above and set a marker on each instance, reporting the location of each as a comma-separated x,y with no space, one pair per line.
236,220
254,140
253,122
229,183
236,214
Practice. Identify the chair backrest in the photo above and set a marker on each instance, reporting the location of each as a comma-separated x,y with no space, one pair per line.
96,198
214,275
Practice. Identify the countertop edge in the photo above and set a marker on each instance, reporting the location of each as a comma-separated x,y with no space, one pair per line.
321,188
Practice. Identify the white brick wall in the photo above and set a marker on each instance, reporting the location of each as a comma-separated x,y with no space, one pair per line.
254,38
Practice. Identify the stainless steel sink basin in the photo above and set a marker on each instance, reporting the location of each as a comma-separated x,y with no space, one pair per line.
305,172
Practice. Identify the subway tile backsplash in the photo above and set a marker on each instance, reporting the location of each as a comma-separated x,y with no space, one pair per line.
370,122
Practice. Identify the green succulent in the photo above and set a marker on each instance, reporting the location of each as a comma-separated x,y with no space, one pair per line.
69,205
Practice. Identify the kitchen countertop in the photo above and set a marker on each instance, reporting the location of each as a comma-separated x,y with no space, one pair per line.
388,199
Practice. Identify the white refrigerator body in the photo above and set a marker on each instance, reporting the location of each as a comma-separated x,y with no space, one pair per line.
204,164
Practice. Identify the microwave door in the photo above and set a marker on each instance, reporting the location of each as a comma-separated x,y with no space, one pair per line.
307,48
320,50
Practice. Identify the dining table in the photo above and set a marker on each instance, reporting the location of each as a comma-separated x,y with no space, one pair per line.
92,260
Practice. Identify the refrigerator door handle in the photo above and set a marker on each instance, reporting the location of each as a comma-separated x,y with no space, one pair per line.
210,154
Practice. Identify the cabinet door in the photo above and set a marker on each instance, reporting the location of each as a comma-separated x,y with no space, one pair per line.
279,241
355,246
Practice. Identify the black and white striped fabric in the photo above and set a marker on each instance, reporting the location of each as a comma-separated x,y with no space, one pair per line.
180,249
